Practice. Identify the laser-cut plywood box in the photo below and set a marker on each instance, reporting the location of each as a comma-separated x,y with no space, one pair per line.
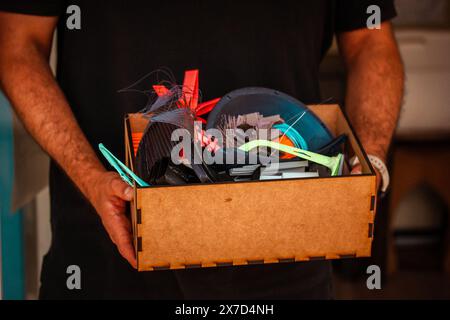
241,223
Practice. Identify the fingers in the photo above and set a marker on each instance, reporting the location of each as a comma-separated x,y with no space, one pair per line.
119,229
112,192
379,179
356,169
126,249
121,189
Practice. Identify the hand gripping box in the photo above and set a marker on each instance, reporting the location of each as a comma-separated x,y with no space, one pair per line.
240,223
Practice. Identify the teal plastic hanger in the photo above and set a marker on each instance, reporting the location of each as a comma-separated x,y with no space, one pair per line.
333,163
120,168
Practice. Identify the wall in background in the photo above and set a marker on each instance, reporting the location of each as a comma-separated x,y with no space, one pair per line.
423,14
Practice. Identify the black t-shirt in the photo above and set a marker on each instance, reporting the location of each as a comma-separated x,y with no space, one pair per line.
276,44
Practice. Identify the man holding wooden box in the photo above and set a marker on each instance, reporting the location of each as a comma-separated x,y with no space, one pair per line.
103,46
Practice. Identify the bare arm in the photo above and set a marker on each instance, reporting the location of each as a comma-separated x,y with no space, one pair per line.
374,85
26,79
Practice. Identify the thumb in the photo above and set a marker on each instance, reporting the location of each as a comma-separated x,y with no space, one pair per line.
122,189
356,169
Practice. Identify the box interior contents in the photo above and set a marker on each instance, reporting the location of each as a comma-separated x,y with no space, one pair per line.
249,134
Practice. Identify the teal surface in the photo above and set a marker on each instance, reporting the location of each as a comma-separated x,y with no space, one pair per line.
11,228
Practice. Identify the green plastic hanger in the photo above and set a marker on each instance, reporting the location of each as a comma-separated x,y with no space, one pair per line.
120,168
333,163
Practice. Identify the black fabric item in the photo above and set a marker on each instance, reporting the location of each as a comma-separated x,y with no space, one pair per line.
275,44
35,7
352,14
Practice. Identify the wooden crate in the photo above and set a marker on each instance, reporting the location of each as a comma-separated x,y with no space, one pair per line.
222,224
